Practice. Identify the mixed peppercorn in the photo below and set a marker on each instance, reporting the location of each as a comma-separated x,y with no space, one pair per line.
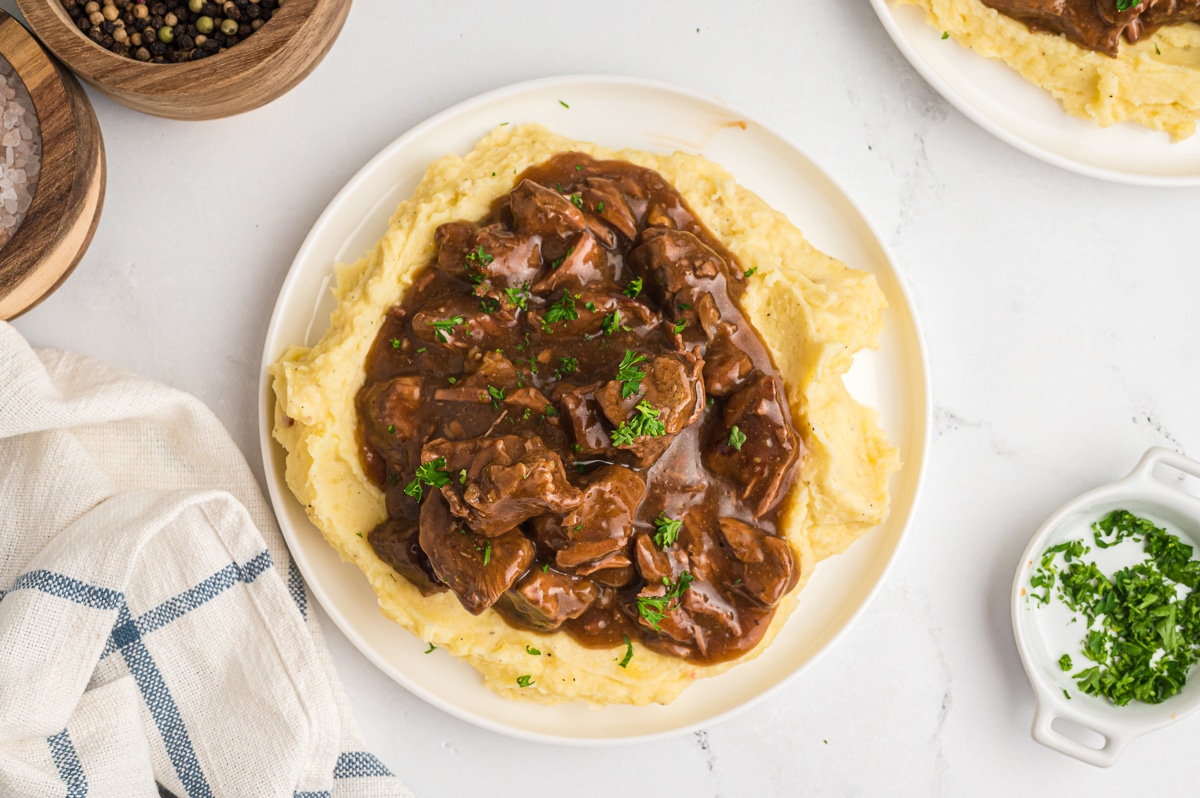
169,31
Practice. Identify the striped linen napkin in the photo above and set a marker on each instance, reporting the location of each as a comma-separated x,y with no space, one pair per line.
152,626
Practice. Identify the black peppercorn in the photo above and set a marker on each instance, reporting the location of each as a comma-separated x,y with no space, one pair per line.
157,48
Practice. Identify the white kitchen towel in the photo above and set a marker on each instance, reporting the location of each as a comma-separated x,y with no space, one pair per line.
152,625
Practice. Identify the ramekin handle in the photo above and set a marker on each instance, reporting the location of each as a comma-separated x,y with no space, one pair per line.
1043,731
1157,455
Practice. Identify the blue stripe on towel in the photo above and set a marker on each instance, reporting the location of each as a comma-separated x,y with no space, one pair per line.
296,586
162,707
66,759
324,794
359,764
97,598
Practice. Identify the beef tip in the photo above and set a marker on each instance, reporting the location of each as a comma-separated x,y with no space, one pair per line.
764,463
673,386
489,369
438,323
396,542
586,419
586,263
677,267
457,556
593,311
504,259
537,210
769,566
1157,14
1094,24
530,399
393,425
508,479
602,522
454,240
615,570
604,197
545,599
726,365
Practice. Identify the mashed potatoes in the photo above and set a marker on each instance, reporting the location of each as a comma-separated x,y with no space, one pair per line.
1155,82
813,313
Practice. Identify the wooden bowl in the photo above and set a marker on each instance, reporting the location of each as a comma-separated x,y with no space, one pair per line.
66,205
250,74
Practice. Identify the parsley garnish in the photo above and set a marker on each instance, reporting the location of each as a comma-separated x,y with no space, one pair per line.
489,304
655,608
551,411
431,474
452,380
750,272
430,649
590,306
531,651
644,423
568,365
564,105
422,349
395,343
519,296
1064,662
600,206
679,325
545,567
633,288
562,310
391,429
630,377
444,326
945,35
668,530
496,395
524,681
628,652
1125,5
478,257
487,552
577,201
612,323
462,477
736,438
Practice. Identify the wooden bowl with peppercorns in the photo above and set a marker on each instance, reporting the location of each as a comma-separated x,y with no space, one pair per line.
189,59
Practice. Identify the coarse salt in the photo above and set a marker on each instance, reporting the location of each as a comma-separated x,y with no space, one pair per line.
20,151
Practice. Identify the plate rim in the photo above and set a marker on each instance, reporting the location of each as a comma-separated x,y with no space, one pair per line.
883,10
270,450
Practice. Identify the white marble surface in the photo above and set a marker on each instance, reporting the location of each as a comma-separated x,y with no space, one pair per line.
1059,312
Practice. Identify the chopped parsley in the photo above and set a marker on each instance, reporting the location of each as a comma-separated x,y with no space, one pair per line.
644,424
736,438
444,326
431,474
431,648
564,105
562,310
630,377
524,681
655,608
487,552
519,296
551,411
422,349
478,257
545,567
1142,628
395,342
668,530
612,323
577,201
750,272
452,380
590,306
679,325
600,206
624,663
568,365
462,477
391,429
945,35
489,304
496,395
531,651
1125,5
633,288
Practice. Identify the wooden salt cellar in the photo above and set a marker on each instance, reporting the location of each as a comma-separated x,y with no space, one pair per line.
70,193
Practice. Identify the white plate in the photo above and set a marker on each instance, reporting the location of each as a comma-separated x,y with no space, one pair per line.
1003,103
616,112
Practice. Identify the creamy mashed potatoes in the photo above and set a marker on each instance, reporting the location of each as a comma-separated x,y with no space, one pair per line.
812,311
1155,82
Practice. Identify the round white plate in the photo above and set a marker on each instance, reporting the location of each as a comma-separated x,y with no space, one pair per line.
1003,103
616,112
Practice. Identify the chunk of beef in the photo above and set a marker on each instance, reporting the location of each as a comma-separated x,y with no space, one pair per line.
488,369
530,399
478,569
508,479
397,542
764,463
673,386
604,197
507,260
438,324
603,521
678,268
769,566
537,210
585,264
726,365
593,311
392,423
454,240
586,419
546,599
1094,24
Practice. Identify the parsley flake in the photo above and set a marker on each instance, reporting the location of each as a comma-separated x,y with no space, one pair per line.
736,438
524,681
633,288
655,608
487,552
444,326
668,530
612,323
750,272
577,200
562,310
630,377
624,663
567,365
600,206
644,423
564,105
519,297
431,648
679,325
431,474
496,395
531,651
395,342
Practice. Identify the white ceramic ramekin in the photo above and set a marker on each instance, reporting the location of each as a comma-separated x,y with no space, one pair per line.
1157,489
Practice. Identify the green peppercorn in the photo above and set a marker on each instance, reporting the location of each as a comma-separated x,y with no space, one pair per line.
166,34
229,27
195,5
204,25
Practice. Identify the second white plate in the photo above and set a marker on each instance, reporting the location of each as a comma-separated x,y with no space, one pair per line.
616,112
1003,103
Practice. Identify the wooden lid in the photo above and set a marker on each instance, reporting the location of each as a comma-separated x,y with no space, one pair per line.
66,205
